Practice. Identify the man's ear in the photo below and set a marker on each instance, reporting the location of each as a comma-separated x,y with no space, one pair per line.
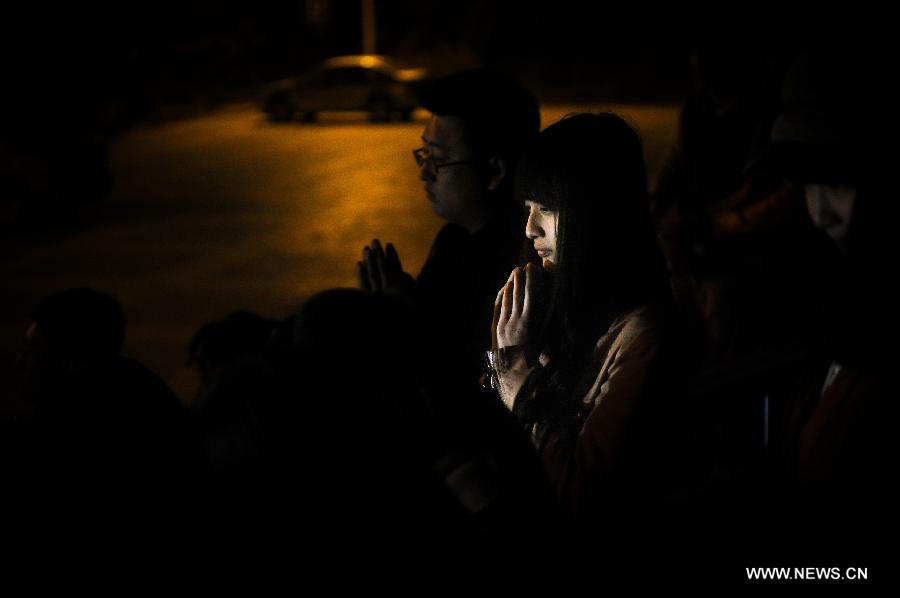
497,172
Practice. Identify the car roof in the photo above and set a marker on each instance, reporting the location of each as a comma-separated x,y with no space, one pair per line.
375,62
361,60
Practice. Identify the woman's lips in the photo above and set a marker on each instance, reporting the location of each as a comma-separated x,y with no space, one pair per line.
544,253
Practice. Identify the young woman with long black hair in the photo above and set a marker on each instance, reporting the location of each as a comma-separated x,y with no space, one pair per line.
581,344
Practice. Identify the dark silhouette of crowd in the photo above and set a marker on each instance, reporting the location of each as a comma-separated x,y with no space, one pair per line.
588,374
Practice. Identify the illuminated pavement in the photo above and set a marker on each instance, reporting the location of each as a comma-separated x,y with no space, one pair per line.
227,211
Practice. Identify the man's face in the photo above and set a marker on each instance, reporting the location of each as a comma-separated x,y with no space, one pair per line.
458,192
831,208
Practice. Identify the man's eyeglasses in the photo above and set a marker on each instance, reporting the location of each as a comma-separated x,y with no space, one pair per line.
425,158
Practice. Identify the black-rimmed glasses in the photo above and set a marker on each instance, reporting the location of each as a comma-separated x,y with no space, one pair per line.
425,158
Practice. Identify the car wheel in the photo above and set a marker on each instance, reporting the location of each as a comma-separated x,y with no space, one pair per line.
280,111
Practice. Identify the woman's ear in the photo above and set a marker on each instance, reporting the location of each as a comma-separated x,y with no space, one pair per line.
497,172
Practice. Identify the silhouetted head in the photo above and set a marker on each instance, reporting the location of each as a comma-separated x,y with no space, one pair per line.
819,136
68,330
219,343
726,70
824,140
353,339
585,189
481,120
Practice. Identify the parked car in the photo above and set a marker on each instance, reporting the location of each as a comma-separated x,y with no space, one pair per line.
362,82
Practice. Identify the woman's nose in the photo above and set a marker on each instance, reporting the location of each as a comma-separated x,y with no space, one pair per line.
532,230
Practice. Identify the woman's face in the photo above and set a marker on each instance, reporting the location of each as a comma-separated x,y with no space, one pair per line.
541,228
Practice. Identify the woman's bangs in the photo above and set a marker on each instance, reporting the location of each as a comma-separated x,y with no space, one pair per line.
538,179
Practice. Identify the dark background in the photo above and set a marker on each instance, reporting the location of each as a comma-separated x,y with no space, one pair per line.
112,65
136,127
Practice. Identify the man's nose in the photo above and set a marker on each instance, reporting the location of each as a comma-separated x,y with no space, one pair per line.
425,173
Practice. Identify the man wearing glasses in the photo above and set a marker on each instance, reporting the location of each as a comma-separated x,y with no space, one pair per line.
481,121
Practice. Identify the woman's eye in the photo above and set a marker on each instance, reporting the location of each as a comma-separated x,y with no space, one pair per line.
545,210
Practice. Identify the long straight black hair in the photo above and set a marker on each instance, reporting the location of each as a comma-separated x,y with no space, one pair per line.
590,169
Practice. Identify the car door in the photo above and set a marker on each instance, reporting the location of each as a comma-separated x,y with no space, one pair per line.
344,88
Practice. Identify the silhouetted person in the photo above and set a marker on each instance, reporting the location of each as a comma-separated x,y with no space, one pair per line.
237,381
363,456
718,126
353,464
68,330
480,122
838,448
115,452
702,195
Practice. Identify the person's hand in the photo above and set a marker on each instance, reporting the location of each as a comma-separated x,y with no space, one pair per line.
380,270
517,309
